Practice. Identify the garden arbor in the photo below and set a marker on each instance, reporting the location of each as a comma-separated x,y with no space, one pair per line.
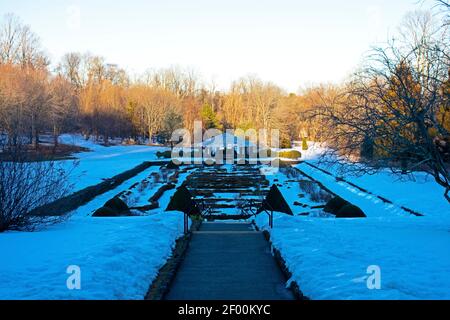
183,201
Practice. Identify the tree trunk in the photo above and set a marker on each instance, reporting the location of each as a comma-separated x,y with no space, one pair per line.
55,136
34,138
150,135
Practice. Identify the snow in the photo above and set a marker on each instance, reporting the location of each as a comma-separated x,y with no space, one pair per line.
420,192
329,257
293,193
370,204
88,209
118,257
165,198
103,162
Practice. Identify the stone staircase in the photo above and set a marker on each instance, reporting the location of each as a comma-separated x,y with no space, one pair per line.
226,189
228,261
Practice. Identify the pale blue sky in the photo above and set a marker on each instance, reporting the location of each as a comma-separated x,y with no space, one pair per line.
293,43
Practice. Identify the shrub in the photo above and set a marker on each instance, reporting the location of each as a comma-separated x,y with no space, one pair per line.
291,172
182,201
307,186
116,204
304,144
114,207
290,154
275,202
334,205
105,212
265,153
27,186
350,211
367,148
286,143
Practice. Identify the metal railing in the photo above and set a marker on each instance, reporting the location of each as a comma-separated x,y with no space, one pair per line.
249,207
204,208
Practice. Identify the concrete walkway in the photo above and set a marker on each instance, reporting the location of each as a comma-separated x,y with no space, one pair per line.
228,261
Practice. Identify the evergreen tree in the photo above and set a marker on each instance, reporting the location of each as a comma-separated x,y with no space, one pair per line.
209,117
285,142
171,122
304,144
367,148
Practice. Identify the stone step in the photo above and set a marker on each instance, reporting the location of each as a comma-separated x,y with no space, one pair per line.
241,193
228,261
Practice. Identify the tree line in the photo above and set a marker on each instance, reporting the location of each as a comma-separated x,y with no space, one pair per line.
84,93
392,112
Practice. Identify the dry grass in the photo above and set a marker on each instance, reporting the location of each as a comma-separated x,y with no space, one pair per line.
45,153
314,191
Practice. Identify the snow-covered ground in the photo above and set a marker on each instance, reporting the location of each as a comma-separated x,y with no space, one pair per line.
118,257
329,257
419,192
103,162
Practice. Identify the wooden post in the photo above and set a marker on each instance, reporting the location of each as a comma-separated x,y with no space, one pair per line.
271,220
186,224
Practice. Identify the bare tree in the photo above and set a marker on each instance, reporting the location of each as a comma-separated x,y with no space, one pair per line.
151,106
25,186
233,107
36,92
389,116
62,106
19,45
70,67
182,83
9,38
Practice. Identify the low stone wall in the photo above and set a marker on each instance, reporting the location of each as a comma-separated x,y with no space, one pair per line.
385,200
79,198
161,284
295,288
